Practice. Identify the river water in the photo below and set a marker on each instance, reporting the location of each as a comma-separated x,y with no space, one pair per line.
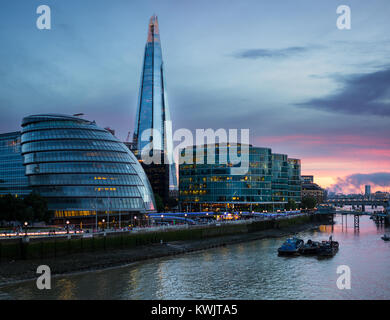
249,270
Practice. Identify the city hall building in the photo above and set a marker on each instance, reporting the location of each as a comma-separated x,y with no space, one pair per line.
81,169
270,182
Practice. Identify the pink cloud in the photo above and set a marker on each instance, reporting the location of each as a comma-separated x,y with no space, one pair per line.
333,158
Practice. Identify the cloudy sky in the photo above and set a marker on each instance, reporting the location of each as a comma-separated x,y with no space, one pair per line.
280,68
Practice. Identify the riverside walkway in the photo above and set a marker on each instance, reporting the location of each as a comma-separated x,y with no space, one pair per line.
88,233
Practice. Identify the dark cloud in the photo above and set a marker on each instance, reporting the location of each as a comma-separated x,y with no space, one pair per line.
367,93
358,180
270,53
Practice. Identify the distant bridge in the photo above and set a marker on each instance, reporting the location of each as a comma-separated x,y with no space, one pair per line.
378,217
357,202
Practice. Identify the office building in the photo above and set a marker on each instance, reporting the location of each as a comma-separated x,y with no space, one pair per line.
83,170
12,173
307,179
153,125
270,181
367,190
313,190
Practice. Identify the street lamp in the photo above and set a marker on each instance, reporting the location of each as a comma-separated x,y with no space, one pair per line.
186,217
135,222
67,226
25,227
120,209
103,221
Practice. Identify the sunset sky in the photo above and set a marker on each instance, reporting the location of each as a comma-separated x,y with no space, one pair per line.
280,68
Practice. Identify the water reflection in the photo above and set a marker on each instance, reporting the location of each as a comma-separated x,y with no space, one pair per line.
244,271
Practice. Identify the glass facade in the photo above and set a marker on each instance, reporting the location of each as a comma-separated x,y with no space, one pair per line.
294,179
82,168
280,178
153,111
270,181
12,177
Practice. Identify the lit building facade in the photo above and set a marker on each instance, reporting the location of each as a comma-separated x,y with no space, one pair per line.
280,178
153,130
294,179
313,190
307,179
271,180
367,190
82,170
12,173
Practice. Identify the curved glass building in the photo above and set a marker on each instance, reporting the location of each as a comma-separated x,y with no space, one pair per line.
82,169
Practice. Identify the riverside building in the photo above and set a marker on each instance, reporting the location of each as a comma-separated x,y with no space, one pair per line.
270,182
12,173
84,172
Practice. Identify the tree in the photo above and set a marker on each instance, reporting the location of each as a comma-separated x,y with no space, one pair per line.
291,205
32,208
38,206
309,202
12,208
159,203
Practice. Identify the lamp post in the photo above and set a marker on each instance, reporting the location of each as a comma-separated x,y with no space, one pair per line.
120,208
108,214
67,226
186,217
103,221
25,228
96,214
135,220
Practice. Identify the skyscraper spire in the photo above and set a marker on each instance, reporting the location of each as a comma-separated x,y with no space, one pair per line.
153,32
153,111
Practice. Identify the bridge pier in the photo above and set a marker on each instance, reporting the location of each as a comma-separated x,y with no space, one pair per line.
379,219
356,221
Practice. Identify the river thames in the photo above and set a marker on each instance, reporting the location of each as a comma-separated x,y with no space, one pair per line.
250,270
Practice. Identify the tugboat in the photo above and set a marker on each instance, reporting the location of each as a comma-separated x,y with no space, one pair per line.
386,237
311,247
291,246
328,248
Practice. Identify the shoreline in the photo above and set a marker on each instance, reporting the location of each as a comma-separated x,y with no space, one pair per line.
15,272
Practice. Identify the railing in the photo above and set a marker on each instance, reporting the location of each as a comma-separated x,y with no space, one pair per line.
62,233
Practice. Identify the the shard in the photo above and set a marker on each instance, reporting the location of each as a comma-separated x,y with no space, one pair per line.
153,112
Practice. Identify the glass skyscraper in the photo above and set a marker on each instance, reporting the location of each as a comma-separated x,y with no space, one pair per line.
82,169
12,176
153,127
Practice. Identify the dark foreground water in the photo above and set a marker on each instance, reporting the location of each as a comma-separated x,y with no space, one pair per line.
244,271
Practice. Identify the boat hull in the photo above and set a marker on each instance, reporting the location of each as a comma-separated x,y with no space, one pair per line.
288,253
290,247
309,251
328,248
